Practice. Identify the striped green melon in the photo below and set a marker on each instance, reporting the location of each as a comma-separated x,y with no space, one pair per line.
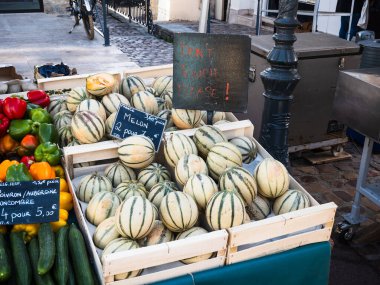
109,123
225,210
272,178
201,187
136,151
189,165
221,122
206,137
105,233
87,127
166,115
291,200
160,190
178,211
118,245
196,231
242,181
92,184
111,102
56,105
130,85
117,172
159,234
82,164
162,84
259,209
135,217
168,97
176,146
100,84
153,174
160,104
247,148
130,188
171,129
93,106
216,117
75,97
156,211
62,118
186,119
152,90
145,101
102,206
65,136
221,156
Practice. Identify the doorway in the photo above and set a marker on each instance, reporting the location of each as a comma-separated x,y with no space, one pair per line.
21,6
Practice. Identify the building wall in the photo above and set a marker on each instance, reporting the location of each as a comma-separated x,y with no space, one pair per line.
56,6
170,10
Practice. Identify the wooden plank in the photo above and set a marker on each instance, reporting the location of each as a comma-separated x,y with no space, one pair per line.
284,224
280,245
131,260
325,157
174,272
151,71
80,171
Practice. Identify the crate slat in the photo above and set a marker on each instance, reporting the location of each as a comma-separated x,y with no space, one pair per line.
151,71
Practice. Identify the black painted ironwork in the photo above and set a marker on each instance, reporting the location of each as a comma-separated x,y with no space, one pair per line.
138,11
101,18
279,81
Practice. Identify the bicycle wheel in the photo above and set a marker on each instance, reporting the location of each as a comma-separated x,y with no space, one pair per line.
88,23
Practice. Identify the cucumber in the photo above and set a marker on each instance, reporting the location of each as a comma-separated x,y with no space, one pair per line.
61,264
5,260
46,243
71,280
79,257
21,259
34,254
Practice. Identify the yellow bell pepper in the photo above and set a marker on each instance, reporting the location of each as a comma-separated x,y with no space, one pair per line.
4,167
59,172
3,229
65,201
31,230
63,187
63,217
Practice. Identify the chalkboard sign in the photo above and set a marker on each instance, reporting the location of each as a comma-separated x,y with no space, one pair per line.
29,202
211,72
130,121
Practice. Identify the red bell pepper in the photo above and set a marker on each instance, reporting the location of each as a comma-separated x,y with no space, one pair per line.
1,106
27,146
38,97
14,108
28,160
4,124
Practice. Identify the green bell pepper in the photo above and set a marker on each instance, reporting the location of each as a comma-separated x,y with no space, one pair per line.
18,172
47,133
30,107
20,128
40,115
49,152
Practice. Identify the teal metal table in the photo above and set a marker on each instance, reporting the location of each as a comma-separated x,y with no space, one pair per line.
309,264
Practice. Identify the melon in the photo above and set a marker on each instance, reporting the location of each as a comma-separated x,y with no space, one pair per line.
75,97
65,136
109,123
259,209
201,187
111,102
222,156
117,172
92,184
160,190
176,146
291,200
135,217
56,105
87,127
102,206
153,174
145,101
189,165
247,148
272,178
151,90
93,106
206,137
62,119
221,122
100,84
160,104
216,117
105,233
171,129
225,210
130,85
168,97
130,188
166,115
178,211
162,84
239,179
136,151
186,119
159,234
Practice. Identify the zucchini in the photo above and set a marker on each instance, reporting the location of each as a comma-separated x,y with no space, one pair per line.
61,264
79,257
33,254
46,243
71,280
21,259
5,260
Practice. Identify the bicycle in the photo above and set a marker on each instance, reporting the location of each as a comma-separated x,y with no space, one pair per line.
83,9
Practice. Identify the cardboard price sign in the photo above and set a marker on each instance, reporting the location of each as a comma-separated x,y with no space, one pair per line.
130,121
29,202
211,72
